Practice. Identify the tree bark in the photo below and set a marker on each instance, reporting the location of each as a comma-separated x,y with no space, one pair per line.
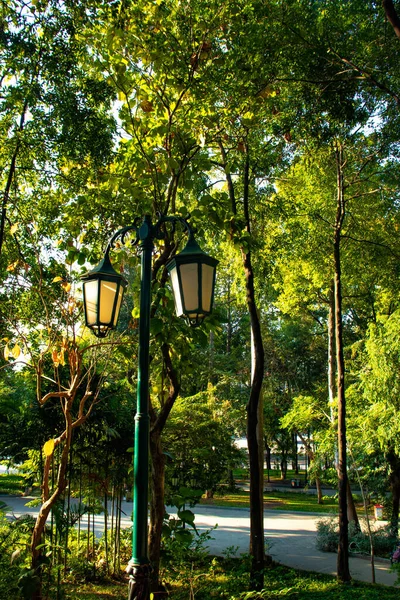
260,427
38,530
343,572
352,515
157,507
11,175
157,476
392,15
394,480
311,457
331,352
256,507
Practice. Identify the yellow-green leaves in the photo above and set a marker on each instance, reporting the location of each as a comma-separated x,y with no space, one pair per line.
48,447
14,352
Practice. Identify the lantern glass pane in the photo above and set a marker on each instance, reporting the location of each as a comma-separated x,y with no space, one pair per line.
108,291
207,281
91,301
190,287
117,308
177,292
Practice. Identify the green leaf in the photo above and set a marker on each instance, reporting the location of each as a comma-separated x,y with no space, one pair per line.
156,326
187,516
184,536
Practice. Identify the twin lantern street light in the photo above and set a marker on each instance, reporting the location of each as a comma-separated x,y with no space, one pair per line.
192,274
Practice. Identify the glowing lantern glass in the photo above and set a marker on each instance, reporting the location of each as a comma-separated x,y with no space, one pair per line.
192,274
103,290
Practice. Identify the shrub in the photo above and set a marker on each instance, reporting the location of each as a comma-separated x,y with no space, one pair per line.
328,537
327,534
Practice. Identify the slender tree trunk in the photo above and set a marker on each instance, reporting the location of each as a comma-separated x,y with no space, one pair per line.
367,519
11,176
157,475
394,481
352,515
392,16
260,428
211,376
38,530
268,459
296,459
256,509
157,507
331,352
343,572
106,531
229,322
256,479
319,490
310,455
68,524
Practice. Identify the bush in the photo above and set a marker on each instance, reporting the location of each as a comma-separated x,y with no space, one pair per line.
327,534
328,538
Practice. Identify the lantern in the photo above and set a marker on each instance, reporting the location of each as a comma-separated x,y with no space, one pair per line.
103,290
192,274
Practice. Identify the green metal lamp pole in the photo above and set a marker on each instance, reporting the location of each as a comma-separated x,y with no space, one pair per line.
193,278
139,565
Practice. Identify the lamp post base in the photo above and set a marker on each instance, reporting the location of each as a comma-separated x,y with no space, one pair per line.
139,581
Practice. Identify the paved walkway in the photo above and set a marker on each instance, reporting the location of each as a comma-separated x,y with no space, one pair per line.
291,538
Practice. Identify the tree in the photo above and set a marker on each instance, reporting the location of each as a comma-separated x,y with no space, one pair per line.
375,425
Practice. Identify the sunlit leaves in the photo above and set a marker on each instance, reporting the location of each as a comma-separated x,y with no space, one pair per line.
48,448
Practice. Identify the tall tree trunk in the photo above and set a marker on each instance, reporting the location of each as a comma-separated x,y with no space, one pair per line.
392,16
211,376
351,508
394,480
157,507
260,428
268,457
256,507
157,475
319,490
352,515
11,175
229,322
48,503
331,352
310,455
343,572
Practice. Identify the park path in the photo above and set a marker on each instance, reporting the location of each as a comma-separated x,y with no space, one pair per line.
291,537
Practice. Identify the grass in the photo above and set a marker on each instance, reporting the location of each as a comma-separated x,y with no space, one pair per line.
228,579
96,591
285,501
13,484
274,475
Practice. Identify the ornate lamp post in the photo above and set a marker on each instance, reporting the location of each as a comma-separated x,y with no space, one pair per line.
192,275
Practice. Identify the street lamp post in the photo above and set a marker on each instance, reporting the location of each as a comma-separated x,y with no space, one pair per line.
192,274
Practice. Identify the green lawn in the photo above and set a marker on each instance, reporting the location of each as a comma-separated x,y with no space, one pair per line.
285,501
274,475
13,484
229,579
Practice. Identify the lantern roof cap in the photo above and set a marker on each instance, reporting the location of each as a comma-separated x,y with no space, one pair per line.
192,248
104,267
